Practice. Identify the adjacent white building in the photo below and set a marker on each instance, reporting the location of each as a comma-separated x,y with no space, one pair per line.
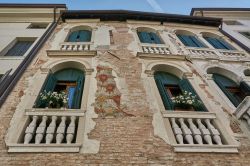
236,22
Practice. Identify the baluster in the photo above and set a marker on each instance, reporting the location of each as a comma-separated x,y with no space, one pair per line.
214,131
186,131
81,47
30,130
86,47
69,47
64,47
51,130
71,130
145,49
177,131
196,132
166,51
60,130
205,132
75,47
150,50
161,50
41,130
156,50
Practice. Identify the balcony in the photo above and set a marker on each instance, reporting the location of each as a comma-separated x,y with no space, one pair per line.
154,51
75,46
50,130
73,49
198,132
215,53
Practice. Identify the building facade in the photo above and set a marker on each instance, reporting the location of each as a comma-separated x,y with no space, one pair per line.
236,22
23,27
125,75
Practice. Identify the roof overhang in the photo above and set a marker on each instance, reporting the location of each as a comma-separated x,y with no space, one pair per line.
123,15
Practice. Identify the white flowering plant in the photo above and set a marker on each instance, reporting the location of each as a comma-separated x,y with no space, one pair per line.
186,100
54,99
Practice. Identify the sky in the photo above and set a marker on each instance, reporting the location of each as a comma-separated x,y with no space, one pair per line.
160,6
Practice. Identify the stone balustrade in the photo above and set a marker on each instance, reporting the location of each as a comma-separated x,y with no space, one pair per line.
243,111
202,51
75,46
232,53
191,131
155,49
195,131
51,129
215,52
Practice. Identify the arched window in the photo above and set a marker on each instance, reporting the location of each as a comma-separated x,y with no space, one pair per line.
235,93
190,40
170,86
149,37
218,43
80,36
70,81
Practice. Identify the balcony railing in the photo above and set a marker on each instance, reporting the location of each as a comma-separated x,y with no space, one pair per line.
202,51
155,49
198,132
75,46
215,52
49,130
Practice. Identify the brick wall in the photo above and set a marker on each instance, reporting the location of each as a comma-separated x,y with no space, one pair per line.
124,140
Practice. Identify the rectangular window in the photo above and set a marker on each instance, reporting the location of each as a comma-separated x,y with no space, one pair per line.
19,48
246,34
38,26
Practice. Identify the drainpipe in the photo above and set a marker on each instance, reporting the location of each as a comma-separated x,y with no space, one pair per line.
9,84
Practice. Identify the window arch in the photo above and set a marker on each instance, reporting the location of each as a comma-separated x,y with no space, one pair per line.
170,86
216,41
189,39
70,81
80,34
148,35
235,92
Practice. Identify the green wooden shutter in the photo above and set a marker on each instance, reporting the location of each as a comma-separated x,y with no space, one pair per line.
196,42
167,101
49,85
225,44
245,88
78,92
219,80
85,36
144,37
73,36
186,86
183,39
155,38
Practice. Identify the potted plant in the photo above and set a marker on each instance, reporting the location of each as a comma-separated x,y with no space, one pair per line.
54,99
186,101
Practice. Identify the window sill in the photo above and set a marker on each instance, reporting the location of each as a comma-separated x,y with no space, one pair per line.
70,148
54,111
206,148
12,57
70,53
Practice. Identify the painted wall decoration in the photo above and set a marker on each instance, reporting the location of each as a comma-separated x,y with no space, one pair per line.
108,97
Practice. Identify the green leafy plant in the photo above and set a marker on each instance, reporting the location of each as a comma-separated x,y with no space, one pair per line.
186,100
54,99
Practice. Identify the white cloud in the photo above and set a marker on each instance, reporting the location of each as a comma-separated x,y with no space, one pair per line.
154,4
